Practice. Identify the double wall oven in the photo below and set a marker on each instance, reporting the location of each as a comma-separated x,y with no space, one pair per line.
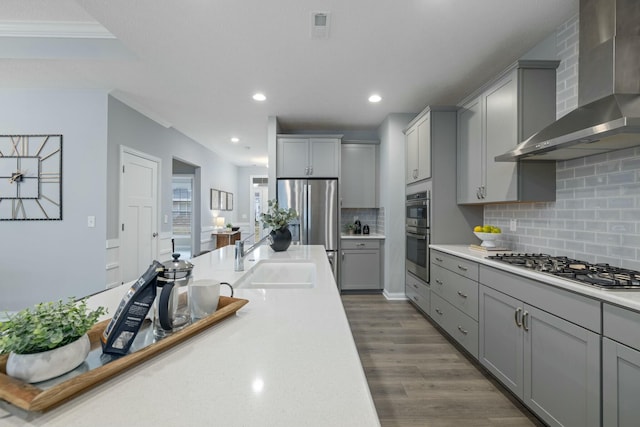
418,225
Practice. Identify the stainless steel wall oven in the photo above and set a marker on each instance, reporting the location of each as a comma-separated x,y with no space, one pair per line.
417,225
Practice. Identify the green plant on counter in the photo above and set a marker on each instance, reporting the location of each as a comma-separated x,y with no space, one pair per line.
277,217
47,326
351,227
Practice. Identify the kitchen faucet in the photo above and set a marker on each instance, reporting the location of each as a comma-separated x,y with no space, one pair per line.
240,253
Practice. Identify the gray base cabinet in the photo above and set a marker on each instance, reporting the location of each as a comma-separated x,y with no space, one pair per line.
418,293
551,364
360,265
620,367
454,298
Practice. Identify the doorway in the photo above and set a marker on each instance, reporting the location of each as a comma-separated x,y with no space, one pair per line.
182,215
258,203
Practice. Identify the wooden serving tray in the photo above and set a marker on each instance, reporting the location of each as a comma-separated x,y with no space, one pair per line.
32,398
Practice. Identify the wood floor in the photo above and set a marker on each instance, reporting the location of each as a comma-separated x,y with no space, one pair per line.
417,377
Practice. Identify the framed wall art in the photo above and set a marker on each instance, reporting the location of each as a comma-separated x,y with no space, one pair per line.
215,199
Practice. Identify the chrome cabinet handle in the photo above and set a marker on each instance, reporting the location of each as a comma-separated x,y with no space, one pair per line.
463,295
439,312
463,268
311,170
439,259
517,317
525,321
415,286
415,298
360,245
439,282
155,234
463,330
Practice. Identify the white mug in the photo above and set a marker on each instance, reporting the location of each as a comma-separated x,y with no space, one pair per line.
204,295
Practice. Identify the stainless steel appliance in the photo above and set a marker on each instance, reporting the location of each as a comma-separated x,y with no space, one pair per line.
418,233
603,276
316,201
608,113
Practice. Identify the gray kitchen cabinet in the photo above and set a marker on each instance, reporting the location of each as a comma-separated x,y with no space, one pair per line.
551,364
359,177
360,267
418,149
300,156
620,367
454,298
620,384
418,293
496,118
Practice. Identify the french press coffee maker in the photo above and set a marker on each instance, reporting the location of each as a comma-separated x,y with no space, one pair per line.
172,306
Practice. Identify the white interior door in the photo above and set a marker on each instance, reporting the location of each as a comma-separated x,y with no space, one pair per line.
138,213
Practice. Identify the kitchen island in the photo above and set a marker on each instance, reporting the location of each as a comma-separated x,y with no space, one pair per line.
287,358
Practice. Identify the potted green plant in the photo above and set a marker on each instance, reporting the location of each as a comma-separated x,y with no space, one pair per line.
351,228
47,340
278,219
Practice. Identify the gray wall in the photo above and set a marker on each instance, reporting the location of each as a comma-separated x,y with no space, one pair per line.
392,192
49,260
129,128
596,215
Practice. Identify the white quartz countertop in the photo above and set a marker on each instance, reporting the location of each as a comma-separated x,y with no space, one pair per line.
627,299
363,236
287,358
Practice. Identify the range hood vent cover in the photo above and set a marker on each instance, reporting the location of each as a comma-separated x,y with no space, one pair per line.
608,113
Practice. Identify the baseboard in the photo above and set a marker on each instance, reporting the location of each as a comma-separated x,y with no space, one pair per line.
394,296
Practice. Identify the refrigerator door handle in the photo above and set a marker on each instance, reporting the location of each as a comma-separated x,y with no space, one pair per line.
307,219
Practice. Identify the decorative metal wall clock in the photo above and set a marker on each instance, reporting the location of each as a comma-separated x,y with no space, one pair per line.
30,177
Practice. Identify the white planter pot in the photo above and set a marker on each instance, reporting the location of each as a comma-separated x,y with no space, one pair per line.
36,367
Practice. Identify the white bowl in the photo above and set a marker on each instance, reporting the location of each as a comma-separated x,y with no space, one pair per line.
488,239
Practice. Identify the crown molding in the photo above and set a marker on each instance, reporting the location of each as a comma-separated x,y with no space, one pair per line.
58,29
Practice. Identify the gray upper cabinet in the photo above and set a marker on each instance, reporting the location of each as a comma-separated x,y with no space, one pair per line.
359,177
308,157
418,150
495,119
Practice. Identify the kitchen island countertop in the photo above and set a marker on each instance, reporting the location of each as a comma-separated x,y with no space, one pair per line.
287,358
626,299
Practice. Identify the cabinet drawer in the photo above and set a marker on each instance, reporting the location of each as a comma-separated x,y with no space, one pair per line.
360,244
578,309
458,325
417,298
621,325
458,265
461,292
418,285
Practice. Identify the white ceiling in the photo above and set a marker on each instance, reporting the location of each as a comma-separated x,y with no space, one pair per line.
194,64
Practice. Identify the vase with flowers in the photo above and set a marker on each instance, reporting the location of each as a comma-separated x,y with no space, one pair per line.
278,219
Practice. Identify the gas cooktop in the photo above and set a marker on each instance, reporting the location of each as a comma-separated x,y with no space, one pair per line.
603,276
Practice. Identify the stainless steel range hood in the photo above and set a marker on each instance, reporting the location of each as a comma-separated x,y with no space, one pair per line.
608,113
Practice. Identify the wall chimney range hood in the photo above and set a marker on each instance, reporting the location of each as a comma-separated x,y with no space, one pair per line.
608,113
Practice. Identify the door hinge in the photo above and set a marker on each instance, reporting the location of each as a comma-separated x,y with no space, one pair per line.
122,227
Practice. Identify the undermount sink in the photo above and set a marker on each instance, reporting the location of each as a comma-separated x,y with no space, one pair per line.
277,274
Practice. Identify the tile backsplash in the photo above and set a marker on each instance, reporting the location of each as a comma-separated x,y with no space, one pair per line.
372,217
596,215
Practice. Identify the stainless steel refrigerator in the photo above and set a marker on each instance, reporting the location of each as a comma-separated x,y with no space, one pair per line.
317,204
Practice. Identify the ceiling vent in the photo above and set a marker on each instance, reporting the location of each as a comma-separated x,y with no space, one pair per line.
320,23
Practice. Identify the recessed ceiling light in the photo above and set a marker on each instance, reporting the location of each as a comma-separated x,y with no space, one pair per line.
234,139
259,97
375,98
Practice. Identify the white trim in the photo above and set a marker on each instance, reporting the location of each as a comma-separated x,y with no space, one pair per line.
394,296
57,29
